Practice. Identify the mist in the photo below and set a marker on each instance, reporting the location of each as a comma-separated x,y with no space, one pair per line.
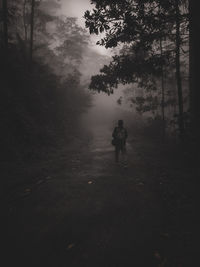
100,111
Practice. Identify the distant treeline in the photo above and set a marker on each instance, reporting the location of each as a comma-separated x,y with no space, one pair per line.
41,94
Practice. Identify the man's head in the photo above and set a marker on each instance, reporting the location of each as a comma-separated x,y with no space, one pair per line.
120,123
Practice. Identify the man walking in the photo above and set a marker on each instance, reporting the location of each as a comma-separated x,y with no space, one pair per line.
119,139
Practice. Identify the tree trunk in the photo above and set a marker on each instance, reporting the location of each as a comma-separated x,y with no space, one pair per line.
5,23
194,66
162,93
32,29
162,84
178,71
24,21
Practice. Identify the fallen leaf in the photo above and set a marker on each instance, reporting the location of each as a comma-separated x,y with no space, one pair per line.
27,190
70,246
157,255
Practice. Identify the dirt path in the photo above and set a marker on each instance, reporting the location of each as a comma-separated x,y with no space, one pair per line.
92,212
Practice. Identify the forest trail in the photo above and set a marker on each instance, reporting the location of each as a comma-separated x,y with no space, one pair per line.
91,212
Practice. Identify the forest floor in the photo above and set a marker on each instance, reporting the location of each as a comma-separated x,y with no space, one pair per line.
79,208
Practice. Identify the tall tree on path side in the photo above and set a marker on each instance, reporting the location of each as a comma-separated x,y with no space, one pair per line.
178,71
141,25
32,28
194,63
5,23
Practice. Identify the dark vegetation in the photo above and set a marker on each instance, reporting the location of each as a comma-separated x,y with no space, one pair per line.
41,53
157,43
76,208
41,94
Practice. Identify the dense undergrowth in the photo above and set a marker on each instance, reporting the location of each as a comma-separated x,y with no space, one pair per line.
38,109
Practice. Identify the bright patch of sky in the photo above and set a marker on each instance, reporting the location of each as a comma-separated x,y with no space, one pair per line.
77,8
91,63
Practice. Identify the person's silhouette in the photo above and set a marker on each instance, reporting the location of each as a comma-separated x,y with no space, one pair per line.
119,136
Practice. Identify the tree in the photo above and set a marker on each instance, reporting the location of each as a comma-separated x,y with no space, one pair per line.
178,72
194,66
43,104
141,25
5,23
162,84
25,21
32,28
71,40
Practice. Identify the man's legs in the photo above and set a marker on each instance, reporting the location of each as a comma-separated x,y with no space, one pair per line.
124,155
116,154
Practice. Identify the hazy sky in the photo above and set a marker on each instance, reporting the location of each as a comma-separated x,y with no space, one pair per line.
77,8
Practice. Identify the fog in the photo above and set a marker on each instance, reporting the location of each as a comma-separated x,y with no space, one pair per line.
77,8
74,194
105,110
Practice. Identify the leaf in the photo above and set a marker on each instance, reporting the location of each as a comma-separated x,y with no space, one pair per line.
70,246
101,29
157,255
27,190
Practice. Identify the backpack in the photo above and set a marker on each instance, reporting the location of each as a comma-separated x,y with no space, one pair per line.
120,134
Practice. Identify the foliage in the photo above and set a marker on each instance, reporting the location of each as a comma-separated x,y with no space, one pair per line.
140,25
146,33
41,100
